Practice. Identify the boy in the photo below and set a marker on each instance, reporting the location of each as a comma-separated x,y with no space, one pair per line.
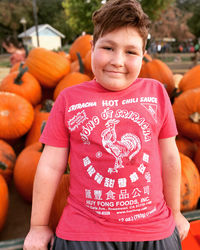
125,167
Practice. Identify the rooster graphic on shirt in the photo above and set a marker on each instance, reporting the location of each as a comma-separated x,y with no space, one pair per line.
128,145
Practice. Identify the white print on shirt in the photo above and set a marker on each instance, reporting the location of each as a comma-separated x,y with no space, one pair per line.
136,192
77,120
98,194
141,168
148,176
135,117
152,109
107,114
110,103
81,105
110,195
123,194
129,144
87,129
122,182
138,216
145,157
146,190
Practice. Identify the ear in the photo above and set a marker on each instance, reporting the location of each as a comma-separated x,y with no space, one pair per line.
92,45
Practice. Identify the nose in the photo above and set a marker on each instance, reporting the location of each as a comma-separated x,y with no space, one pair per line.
118,59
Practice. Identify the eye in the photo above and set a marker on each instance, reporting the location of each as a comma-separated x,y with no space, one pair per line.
107,48
131,52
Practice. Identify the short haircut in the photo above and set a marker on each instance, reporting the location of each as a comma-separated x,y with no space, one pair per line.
120,13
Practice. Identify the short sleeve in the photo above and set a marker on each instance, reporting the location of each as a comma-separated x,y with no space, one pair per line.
55,132
168,126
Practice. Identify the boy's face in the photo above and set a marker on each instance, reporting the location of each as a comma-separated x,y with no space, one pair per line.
117,58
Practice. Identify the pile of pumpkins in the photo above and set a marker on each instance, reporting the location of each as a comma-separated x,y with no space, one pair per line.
27,95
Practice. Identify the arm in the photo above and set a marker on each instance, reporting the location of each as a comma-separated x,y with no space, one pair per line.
171,175
50,168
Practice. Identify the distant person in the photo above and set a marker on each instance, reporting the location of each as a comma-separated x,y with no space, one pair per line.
15,48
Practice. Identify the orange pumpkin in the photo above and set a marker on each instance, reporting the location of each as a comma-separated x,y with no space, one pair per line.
24,84
16,115
25,169
192,241
190,184
186,146
41,115
7,160
47,66
60,201
4,198
158,70
82,44
187,113
71,79
191,79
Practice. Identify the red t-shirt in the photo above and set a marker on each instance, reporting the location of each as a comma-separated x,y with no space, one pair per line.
115,169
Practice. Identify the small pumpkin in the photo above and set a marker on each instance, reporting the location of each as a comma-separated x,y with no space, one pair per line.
60,201
24,84
4,198
158,70
82,44
190,184
25,169
186,109
71,79
16,115
7,160
41,115
47,66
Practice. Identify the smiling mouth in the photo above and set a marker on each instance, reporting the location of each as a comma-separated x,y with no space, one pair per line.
115,72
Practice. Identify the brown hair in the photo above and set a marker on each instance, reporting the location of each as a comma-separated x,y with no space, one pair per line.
120,13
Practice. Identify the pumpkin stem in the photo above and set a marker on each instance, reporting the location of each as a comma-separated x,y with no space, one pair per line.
145,59
81,66
195,117
175,93
47,105
22,71
67,170
42,128
3,165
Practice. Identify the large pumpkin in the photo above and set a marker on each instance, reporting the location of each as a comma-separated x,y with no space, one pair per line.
25,169
158,70
16,115
42,112
81,45
187,113
191,79
71,79
4,201
60,200
47,66
7,160
190,184
24,84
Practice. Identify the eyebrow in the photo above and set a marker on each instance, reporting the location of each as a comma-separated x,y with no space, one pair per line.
113,43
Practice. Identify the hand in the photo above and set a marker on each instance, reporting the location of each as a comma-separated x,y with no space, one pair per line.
182,224
38,238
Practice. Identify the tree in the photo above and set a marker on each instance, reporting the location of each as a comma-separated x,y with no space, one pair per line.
11,14
79,12
79,15
192,6
155,7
